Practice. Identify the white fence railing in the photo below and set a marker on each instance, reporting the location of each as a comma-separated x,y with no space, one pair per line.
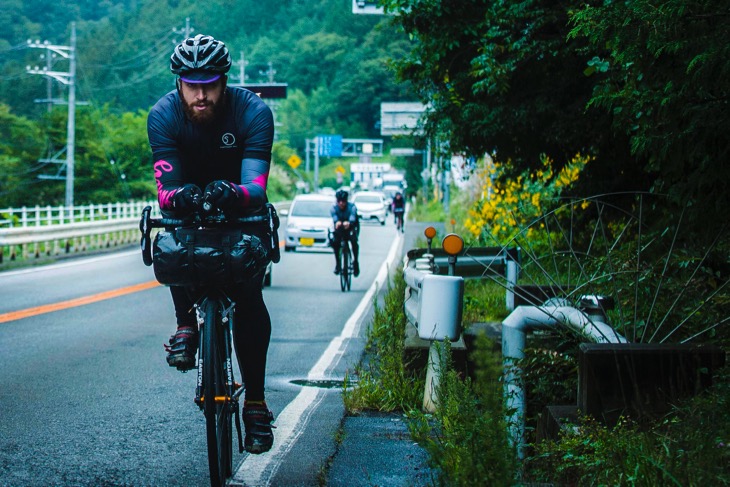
60,215
52,230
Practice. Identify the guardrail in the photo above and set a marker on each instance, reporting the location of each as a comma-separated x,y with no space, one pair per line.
475,262
32,232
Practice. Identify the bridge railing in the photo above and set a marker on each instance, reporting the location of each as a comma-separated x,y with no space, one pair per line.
31,232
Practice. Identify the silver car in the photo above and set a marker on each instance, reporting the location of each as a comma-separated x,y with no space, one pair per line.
308,222
370,206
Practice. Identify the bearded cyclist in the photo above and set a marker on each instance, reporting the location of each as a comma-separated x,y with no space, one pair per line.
344,217
214,141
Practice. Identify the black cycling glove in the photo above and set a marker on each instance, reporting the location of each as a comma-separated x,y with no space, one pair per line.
223,195
187,199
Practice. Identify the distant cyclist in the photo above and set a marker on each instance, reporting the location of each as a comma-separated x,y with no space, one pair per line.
214,141
344,216
399,208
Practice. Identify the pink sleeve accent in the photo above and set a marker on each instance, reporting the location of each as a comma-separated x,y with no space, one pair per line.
261,181
164,196
246,194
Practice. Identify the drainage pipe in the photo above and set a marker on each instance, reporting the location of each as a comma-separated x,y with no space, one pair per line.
515,327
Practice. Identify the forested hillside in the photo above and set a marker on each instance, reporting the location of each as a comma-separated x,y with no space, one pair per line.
335,64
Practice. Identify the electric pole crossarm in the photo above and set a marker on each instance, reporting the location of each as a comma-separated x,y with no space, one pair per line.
60,76
64,51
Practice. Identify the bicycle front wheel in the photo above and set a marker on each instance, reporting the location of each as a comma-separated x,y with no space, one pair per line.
217,399
346,274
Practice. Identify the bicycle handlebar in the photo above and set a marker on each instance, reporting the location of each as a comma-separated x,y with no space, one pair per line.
177,222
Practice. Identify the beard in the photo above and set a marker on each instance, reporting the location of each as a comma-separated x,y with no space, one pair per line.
206,117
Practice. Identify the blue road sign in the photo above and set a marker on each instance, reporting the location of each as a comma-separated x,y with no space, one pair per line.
329,145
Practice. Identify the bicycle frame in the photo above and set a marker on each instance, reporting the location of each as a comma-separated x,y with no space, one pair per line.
227,308
399,218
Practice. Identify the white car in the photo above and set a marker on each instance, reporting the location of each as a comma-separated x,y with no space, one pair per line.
308,221
370,206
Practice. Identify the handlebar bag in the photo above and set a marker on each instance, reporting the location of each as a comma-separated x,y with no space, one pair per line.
207,256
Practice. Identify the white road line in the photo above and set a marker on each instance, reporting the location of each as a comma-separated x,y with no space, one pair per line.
258,470
74,262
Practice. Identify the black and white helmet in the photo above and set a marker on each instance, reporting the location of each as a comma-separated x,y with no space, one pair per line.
202,58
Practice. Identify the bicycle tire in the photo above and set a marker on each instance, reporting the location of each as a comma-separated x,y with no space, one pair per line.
346,275
217,404
343,266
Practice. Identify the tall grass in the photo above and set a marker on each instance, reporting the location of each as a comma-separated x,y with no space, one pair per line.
385,382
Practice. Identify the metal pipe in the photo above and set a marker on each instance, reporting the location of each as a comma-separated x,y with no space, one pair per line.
514,332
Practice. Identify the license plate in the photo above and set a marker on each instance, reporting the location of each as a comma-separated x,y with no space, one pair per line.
307,242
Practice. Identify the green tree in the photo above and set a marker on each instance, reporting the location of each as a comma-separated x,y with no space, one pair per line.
641,86
500,76
661,70
20,143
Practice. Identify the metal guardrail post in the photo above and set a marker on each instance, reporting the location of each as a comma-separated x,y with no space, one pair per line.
439,317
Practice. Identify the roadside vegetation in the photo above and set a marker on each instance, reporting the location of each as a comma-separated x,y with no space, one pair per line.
467,436
467,441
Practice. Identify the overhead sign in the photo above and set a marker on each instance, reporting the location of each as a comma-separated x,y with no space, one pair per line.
329,145
269,91
368,172
366,7
294,161
401,118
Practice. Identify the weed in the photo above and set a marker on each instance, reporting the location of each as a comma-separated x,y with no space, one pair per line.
466,437
385,382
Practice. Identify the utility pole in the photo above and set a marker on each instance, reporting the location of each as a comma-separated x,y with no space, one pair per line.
241,69
269,73
186,31
69,79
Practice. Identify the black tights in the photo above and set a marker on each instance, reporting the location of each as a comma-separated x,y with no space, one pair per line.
251,333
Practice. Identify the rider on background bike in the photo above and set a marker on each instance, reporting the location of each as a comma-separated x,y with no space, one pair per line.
344,216
211,141
398,205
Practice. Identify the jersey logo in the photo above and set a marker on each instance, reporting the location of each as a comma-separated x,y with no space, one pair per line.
228,140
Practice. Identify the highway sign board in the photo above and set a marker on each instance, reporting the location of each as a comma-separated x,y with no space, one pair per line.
329,145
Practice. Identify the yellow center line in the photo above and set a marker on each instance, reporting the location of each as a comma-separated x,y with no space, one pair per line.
71,303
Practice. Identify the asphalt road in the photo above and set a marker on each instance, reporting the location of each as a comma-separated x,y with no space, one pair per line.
86,397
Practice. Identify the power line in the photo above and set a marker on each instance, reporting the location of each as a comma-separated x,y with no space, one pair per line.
17,47
138,60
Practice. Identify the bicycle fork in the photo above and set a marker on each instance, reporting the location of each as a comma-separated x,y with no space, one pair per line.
232,390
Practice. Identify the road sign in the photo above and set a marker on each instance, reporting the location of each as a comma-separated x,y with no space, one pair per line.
294,161
329,145
340,170
268,90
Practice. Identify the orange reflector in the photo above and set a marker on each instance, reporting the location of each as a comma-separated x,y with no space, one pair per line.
216,398
452,244
430,232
